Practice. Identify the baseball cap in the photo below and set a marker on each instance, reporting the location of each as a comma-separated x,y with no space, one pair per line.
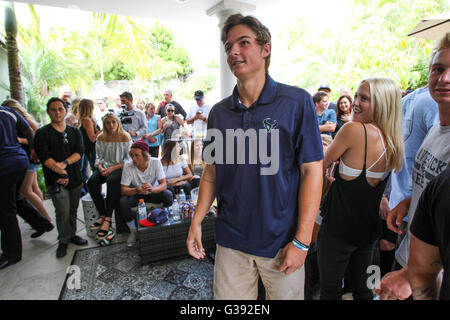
155,217
198,94
324,86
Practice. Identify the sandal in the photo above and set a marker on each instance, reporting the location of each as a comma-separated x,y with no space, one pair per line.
101,233
107,239
97,225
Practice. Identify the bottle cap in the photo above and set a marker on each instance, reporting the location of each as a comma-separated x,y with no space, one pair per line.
141,200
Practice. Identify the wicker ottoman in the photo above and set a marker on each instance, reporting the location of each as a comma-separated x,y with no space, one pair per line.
169,241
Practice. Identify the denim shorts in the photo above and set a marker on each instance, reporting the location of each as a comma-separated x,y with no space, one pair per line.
33,167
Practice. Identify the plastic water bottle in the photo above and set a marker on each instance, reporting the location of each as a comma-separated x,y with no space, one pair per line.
170,214
142,209
175,211
182,197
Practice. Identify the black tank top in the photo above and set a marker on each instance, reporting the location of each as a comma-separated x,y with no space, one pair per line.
351,208
89,146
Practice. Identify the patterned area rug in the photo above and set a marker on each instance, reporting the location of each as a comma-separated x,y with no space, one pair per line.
115,273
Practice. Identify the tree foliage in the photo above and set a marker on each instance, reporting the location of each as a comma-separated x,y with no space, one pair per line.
118,48
373,43
115,48
203,79
46,65
168,51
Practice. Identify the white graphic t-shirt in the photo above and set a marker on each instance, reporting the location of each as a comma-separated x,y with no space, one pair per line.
432,158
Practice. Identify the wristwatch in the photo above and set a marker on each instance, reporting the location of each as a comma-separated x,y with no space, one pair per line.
66,162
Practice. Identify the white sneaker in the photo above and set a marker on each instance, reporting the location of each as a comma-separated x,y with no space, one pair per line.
131,241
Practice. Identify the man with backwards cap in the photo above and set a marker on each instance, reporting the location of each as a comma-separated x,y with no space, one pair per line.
326,88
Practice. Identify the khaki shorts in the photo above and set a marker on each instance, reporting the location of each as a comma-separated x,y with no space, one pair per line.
236,277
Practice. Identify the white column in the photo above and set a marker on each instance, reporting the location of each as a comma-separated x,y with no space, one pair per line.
227,79
223,10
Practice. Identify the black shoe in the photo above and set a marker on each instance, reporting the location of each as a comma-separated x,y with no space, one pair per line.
39,233
61,251
5,262
78,241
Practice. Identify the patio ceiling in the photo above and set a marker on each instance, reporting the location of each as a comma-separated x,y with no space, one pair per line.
197,11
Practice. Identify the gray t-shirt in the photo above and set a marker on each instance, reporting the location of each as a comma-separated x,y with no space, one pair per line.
134,120
133,177
431,159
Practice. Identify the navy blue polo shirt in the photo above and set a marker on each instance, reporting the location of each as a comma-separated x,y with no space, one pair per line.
13,157
258,213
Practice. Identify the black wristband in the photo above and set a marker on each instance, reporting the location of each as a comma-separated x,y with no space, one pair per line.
64,176
301,244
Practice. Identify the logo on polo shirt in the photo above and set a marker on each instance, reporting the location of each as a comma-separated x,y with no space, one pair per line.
270,124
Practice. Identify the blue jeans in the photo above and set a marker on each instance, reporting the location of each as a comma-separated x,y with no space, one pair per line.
86,159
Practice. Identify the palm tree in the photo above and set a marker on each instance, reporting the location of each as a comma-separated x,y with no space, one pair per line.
120,43
123,40
47,65
69,58
15,79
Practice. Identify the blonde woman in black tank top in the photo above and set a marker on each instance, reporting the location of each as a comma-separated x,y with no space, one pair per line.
368,148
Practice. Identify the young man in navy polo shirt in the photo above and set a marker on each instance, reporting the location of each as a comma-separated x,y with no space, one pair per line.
265,220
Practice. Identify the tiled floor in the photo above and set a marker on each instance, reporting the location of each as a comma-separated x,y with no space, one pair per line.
40,275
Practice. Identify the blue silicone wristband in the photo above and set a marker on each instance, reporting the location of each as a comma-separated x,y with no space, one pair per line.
299,246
